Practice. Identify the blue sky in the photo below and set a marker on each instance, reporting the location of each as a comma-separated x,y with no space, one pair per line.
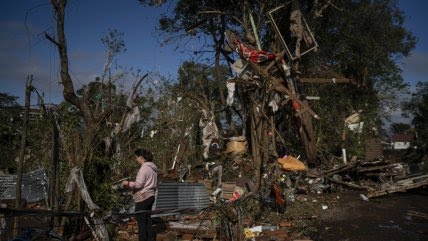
415,68
24,49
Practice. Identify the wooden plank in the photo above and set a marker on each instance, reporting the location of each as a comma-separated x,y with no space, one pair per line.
397,188
417,214
279,235
412,179
375,168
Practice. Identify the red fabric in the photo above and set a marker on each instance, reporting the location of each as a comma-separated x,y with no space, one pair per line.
235,196
254,55
296,105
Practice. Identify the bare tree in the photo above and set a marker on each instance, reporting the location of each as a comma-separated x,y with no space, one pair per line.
92,121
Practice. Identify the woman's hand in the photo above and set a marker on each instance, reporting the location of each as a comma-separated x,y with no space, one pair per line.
125,184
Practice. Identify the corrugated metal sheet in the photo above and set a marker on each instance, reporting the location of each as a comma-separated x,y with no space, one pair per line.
34,186
174,195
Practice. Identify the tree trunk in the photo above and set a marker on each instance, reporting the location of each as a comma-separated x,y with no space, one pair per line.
307,134
54,165
259,137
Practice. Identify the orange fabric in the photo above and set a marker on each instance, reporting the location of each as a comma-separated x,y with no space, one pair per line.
290,163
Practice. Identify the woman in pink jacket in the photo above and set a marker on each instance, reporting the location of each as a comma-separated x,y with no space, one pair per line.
144,189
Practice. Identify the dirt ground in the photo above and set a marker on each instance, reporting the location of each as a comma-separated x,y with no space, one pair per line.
346,216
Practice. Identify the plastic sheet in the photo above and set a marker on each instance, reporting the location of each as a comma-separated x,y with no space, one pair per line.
76,177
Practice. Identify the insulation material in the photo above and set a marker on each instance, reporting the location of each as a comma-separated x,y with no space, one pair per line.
236,145
353,118
290,163
354,123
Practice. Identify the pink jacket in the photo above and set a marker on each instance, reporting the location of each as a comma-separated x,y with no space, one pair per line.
145,184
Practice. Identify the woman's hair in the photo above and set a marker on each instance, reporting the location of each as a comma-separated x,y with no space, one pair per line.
144,153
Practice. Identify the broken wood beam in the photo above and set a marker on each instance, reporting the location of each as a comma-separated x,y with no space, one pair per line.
279,57
404,185
417,214
375,168
278,86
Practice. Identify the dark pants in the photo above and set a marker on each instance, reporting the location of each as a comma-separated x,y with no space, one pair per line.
145,232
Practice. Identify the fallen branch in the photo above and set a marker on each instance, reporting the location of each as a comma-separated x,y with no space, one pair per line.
351,185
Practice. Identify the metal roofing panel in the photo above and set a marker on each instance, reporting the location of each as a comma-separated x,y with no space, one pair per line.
174,195
34,186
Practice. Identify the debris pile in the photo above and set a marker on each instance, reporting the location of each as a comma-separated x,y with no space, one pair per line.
379,177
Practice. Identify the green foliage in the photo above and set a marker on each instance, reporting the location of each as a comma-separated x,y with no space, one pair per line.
360,40
197,81
10,131
39,141
363,42
418,107
400,128
114,42
105,197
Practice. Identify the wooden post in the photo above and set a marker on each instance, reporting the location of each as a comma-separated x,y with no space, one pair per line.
54,164
18,203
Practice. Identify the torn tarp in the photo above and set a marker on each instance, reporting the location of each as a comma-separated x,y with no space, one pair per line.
248,52
132,113
253,55
76,177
